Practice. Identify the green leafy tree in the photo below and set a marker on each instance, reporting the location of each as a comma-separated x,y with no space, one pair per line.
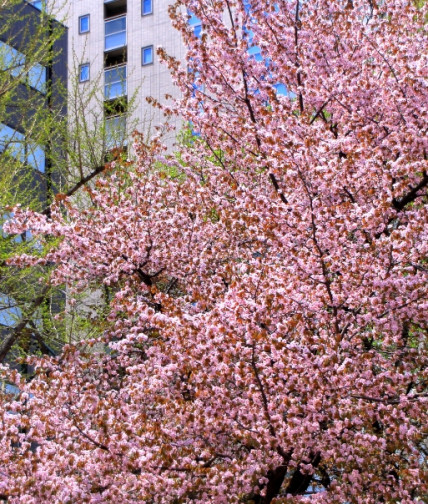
54,141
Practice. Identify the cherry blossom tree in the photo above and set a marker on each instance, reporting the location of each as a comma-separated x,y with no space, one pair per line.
267,337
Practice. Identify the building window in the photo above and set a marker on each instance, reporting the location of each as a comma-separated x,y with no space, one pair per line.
14,62
84,24
10,312
115,33
146,7
147,55
37,77
115,131
38,4
11,60
84,72
21,148
115,82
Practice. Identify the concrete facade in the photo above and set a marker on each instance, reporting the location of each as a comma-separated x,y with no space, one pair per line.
142,31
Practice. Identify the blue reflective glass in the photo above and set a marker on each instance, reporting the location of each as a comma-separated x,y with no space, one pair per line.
115,74
247,6
115,25
114,41
115,33
84,72
115,82
114,90
146,7
20,148
147,55
12,141
37,4
11,60
10,313
195,22
37,77
36,157
84,24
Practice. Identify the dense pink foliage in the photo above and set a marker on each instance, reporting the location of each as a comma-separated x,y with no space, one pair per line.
268,331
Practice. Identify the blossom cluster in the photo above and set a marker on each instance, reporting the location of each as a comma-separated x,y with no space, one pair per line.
267,337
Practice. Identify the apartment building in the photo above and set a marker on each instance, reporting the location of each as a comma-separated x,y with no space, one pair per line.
113,47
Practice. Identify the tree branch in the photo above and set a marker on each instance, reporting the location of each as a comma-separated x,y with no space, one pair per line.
78,185
299,482
400,203
11,338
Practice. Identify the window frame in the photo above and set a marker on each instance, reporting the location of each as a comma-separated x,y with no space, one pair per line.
125,31
88,16
124,82
81,67
115,124
143,13
152,55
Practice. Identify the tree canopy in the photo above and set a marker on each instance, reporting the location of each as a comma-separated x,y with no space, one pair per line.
266,337
54,138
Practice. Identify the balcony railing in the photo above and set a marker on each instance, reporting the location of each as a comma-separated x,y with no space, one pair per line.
115,33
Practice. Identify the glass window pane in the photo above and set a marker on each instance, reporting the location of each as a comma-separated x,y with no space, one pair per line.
115,74
193,19
37,4
115,82
114,90
147,55
11,60
84,72
36,157
84,24
147,7
115,131
114,41
18,147
37,77
115,33
12,141
115,25
10,313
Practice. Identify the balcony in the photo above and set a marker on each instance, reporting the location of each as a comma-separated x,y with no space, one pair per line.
115,33
114,8
115,82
